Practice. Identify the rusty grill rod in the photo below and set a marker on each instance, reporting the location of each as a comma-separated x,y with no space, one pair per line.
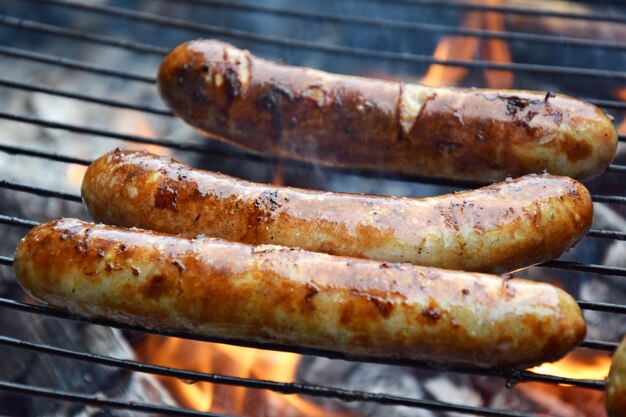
512,377
330,48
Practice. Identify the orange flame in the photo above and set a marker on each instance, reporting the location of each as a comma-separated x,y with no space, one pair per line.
467,47
75,174
232,361
136,124
457,48
577,366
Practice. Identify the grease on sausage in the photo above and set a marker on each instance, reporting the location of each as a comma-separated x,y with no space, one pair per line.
469,134
498,228
292,297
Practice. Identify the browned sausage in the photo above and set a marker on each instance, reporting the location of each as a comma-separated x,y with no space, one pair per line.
292,297
353,122
615,391
498,228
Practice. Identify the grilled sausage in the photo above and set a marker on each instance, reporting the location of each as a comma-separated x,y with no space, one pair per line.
498,228
353,122
293,297
615,391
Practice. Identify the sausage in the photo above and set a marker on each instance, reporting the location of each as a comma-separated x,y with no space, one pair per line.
292,297
497,229
615,391
360,123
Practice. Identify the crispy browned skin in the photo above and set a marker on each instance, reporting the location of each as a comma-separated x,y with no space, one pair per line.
353,122
615,391
293,297
498,228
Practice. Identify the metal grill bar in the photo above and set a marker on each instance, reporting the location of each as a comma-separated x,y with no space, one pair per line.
16,221
604,17
73,64
5,82
280,387
82,35
510,375
579,266
100,70
97,399
213,148
42,192
10,83
330,48
53,156
380,23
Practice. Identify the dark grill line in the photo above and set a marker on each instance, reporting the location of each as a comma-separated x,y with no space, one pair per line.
344,19
42,192
53,156
603,17
218,149
82,35
586,305
5,82
514,376
73,64
579,266
330,48
280,387
10,83
100,401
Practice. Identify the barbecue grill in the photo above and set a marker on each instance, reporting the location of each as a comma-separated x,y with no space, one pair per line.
295,51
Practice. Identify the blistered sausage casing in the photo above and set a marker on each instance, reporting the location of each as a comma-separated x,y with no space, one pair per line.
499,228
292,297
352,122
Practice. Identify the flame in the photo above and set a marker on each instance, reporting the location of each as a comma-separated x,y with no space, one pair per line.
467,47
453,47
232,361
577,365
136,124
496,50
74,175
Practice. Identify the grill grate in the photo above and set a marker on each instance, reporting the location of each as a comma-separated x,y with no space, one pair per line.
19,23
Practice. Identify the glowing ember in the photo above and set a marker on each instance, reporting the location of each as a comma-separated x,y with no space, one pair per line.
229,361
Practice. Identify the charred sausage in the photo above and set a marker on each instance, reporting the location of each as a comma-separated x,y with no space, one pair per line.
293,297
353,122
615,391
498,228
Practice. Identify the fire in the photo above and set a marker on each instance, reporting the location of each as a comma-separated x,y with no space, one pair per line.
232,361
136,124
467,47
577,365
75,174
